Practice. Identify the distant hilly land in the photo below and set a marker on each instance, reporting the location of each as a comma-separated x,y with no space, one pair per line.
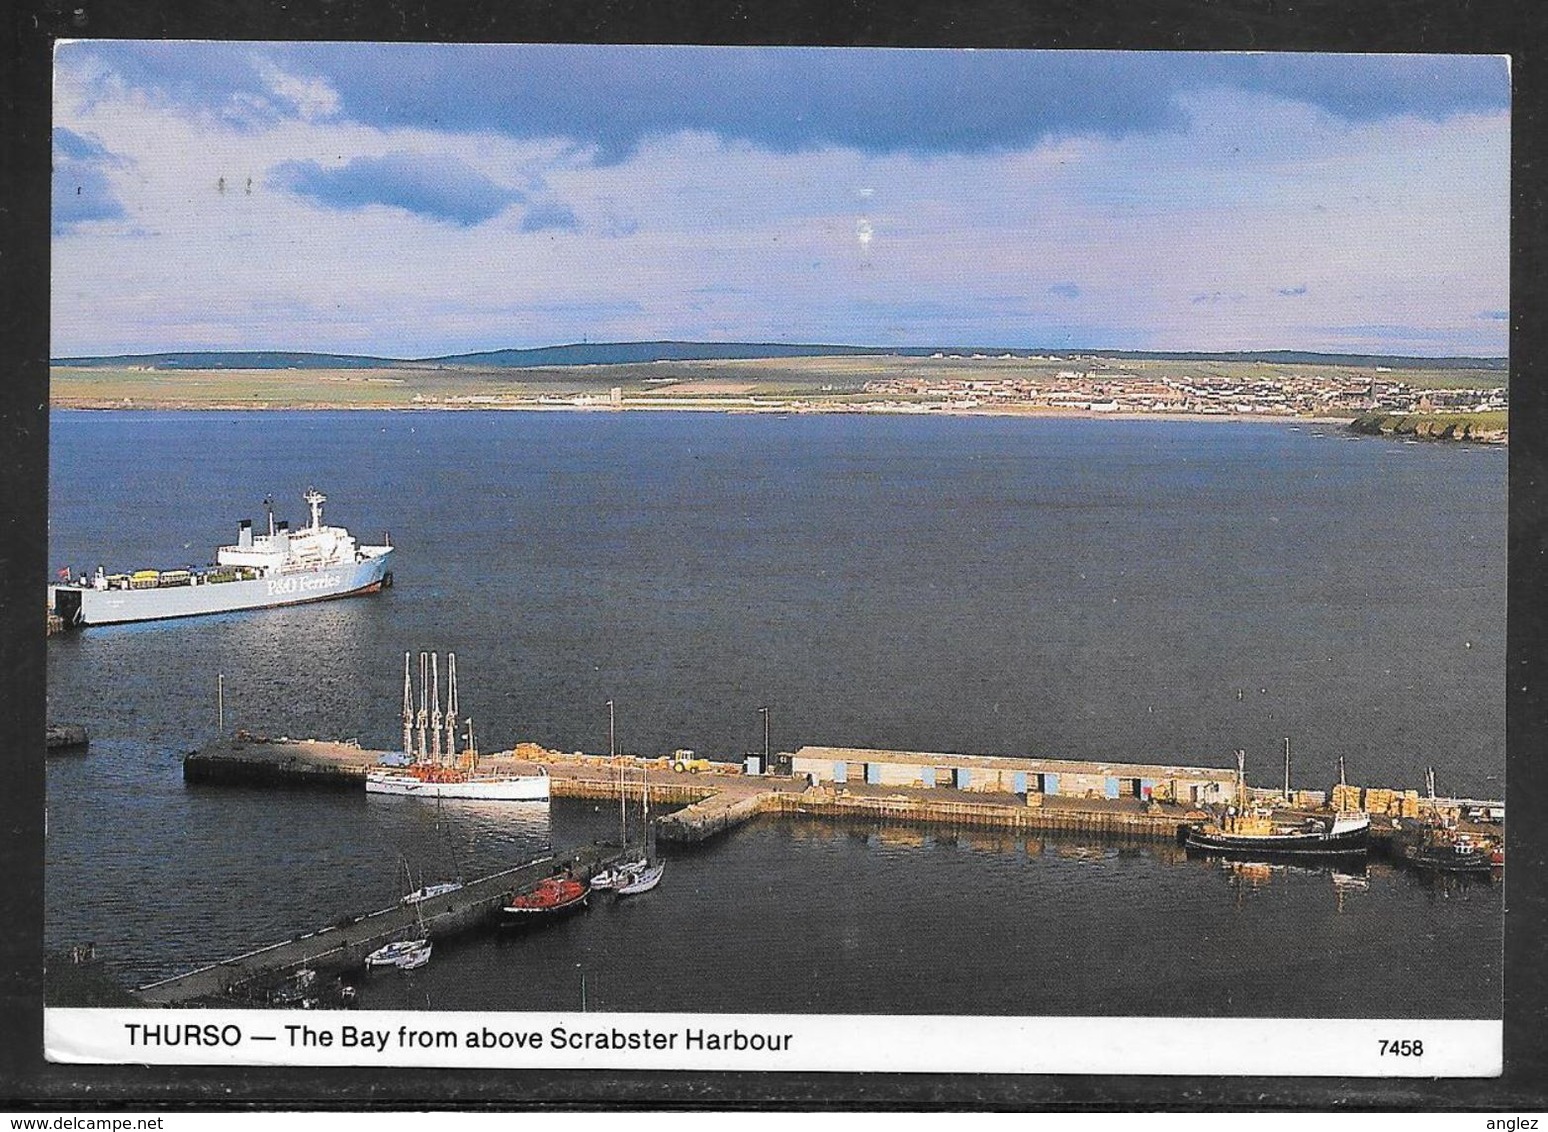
625,353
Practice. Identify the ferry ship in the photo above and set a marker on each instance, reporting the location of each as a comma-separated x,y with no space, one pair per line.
283,567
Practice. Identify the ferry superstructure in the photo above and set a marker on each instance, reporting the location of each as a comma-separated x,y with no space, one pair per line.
282,567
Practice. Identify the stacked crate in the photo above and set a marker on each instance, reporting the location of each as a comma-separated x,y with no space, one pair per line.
1378,800
1346,797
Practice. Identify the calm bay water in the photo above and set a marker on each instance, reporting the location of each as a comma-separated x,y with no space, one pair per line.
1138,590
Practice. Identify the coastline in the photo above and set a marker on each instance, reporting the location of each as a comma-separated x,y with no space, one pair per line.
734,408
730,407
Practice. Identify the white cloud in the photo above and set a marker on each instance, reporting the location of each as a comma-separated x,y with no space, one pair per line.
311,98
1398,224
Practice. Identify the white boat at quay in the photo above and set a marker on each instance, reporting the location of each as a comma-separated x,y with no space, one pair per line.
642,873
610,880
429,769
643,881
404,954
444,782
420,895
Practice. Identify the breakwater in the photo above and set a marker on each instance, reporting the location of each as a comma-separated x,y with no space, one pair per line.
343,945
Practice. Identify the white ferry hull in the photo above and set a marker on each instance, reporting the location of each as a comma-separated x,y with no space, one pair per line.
513,788
84,605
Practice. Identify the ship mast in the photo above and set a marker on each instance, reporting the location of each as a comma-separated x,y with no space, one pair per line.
408,708
420,721
451,706
1287,768
435,708
612,753
645,809
316,499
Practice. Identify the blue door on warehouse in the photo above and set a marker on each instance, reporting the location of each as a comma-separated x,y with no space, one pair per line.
1050,783
1111,787
927,775
840,772
963,777
873,774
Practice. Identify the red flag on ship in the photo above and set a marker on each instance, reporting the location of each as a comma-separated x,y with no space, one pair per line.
64,571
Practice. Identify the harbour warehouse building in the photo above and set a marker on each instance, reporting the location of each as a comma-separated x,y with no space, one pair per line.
1190,785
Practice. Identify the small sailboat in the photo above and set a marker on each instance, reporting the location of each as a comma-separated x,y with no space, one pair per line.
441,888
409,953
643,881
609,880
648,874
427,891
404,954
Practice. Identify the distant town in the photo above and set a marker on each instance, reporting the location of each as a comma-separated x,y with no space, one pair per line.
1099,389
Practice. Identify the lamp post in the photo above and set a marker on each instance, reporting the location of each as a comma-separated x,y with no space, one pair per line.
763,711
612,753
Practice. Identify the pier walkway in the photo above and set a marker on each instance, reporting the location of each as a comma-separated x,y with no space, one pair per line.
712,802
343,946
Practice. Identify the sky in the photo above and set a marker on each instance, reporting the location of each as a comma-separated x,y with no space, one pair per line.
419,200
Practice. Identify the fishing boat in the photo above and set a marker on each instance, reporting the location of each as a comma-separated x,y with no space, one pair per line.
426,769
1446,851
1436,845
552,897
1248,832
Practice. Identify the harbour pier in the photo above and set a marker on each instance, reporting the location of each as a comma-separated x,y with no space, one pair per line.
1118,799
716,800
343,946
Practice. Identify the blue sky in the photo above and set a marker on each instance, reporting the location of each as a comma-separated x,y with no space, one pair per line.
416,200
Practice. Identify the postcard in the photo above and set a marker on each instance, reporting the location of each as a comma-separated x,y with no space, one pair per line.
568,556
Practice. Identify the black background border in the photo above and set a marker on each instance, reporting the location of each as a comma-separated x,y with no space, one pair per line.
1426,26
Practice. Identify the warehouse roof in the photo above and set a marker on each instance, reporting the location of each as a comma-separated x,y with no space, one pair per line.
1028,763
